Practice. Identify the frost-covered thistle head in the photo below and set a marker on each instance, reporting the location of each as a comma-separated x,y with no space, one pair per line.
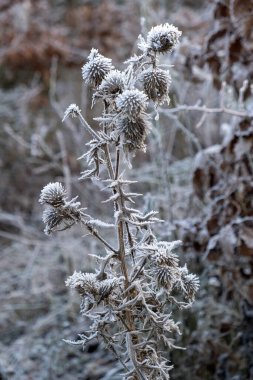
163,38
131,103
134,132
53,194
88,284
73,110
83,282
112,85
189,284
165,276
97,67
156,83
52,218
161,257
60,212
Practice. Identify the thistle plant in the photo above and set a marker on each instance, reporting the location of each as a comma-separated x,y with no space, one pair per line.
132,294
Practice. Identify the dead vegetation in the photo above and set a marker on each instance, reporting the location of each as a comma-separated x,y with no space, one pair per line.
207,192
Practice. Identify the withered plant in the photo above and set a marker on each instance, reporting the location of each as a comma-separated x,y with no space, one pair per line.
130,297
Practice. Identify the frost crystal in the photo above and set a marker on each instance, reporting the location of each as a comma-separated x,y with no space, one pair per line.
97,67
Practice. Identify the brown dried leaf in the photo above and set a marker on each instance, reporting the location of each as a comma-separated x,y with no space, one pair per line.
246,239
205,173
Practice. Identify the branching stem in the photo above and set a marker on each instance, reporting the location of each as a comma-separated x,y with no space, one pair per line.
100,238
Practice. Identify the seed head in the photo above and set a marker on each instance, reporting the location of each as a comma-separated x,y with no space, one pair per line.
106,287
85,283
165,277
112,85
165,255
163,38
131,103
97,67
190,285
53,217
73,110
134,132
156,84
161,257
53,194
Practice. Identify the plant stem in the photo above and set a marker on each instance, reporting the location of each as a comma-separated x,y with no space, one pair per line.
88,127
100,238
121,243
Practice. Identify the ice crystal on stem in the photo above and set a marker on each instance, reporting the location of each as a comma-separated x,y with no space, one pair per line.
129,299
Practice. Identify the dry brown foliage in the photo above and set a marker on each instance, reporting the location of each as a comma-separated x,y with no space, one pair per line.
228,50
33,32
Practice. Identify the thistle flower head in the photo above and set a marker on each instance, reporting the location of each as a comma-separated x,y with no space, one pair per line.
162,257
96,68
131,103
53,194
134,132
163,38
190,285
156,84
83,282
65,216
52,218
60,210
165,277
112,85
72,110
106,287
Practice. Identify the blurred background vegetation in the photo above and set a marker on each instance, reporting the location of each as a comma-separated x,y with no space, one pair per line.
198,172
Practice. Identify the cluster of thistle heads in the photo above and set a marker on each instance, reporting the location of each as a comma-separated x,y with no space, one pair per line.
127,93
60,213
129,297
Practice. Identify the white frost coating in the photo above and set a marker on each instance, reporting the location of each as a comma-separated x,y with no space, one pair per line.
72,110
131,103
52,192
163,38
